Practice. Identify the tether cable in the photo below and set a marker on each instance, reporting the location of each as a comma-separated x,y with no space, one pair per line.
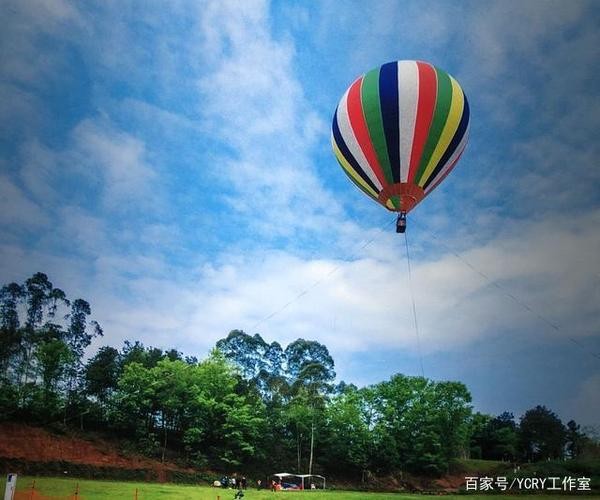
414,307
317,282
511,296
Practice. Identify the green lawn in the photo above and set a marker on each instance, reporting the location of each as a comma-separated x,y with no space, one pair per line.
90,490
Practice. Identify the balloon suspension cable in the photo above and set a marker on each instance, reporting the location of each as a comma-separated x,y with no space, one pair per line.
414,307
512,297
324,277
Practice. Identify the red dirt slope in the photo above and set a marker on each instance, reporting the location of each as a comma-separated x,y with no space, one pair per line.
38,445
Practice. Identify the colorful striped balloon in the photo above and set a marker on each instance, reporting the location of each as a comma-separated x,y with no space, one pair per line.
399,130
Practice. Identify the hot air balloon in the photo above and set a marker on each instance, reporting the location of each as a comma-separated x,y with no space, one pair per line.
398,131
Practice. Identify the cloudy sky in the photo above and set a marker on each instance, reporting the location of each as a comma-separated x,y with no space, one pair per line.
170,162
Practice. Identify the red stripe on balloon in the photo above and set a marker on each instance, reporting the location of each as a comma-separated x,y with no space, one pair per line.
425,108
361,132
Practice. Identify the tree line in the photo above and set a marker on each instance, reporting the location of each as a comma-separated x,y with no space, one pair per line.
249,403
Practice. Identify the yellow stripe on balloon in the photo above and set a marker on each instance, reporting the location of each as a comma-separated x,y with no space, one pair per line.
351,172
457,105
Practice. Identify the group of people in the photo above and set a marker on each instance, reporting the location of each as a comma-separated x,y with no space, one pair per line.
234,482
242,483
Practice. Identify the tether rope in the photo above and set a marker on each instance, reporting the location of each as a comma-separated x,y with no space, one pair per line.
510,295
318,282
414,307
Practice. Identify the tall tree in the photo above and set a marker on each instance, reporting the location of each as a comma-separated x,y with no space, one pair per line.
310,368
53,357
542,434
301,353
38,294
479,431
575,439
78,337
102,376
451,401
10,332
138,353
349,442
246,351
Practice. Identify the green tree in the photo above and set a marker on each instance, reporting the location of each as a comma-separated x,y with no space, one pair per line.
38,293
575,439
78,337
134,405
224,426
479,432
259,363
310,369
421,423
349,443
247,352
101,376
301,354
10,327
53,358
451,403
503,437
171,391
138,353
542,434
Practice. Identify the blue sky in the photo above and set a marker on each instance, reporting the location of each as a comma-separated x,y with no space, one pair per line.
170,163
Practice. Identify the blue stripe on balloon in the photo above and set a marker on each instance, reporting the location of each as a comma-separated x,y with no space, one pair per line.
390,113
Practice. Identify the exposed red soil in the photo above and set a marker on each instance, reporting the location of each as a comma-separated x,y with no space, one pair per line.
450,483
38,445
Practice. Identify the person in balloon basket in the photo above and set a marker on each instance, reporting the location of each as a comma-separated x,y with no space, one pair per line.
401,222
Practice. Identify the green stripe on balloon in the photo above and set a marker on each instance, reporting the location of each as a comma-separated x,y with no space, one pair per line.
440,114
372,111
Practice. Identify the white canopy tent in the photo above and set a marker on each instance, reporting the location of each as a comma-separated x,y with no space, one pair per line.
303,478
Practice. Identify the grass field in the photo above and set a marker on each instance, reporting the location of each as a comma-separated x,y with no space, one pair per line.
90,490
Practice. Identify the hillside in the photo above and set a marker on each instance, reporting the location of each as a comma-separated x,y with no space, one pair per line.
38,451
35,450
41,452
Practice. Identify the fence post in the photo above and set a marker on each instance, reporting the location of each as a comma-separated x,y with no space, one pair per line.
32,490
77,491
136,494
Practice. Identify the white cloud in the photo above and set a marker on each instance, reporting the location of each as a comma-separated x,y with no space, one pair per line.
38,172
98,158
119,159
16,209
21,39
362,304
254,102
508,29
81,231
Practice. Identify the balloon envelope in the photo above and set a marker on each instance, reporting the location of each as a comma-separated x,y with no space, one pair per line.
399,130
